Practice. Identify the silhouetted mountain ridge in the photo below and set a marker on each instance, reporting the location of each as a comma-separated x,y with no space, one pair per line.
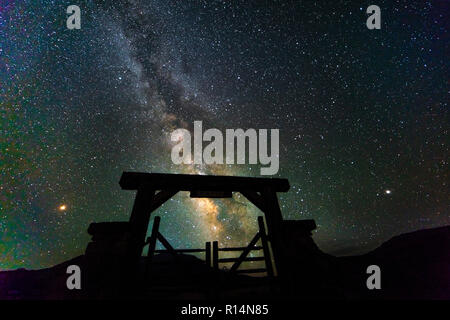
414,265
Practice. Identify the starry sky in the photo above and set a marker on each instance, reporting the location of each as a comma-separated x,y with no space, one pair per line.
363,116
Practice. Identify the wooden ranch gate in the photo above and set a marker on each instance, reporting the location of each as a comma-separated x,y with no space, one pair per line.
260,235
215,261
154,189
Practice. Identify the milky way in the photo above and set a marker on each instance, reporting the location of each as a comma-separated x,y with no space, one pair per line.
363,116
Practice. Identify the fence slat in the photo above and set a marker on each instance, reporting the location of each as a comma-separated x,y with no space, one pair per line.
240,248
216,255
245,252
153,238
208,253
224,260
265,245
181,250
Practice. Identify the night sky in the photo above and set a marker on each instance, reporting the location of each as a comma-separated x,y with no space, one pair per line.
363,116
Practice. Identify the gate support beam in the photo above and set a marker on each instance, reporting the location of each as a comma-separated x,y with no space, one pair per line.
255,198
245,252
140,217
153,238
274,221
265,245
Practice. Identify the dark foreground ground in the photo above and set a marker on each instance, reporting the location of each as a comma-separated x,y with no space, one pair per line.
413,266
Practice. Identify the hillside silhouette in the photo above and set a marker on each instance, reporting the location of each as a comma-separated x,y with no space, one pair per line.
414,266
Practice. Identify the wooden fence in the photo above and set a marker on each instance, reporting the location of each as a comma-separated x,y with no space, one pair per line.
245,251
215,260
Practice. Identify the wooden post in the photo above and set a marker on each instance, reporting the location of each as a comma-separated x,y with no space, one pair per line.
208,254
153,238
274,221
140,217
216,255
265,245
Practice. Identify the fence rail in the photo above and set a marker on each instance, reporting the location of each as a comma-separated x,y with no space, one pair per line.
243,257
214,260
240,248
